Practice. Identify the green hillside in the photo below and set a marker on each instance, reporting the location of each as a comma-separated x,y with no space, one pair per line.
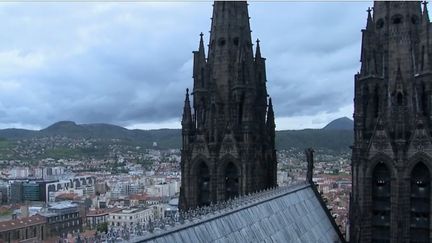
333,139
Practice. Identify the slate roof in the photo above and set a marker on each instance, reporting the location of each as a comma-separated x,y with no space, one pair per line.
21,223
289,214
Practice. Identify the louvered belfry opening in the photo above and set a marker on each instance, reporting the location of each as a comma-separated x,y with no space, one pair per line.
231,181
203,185
420,203
381,184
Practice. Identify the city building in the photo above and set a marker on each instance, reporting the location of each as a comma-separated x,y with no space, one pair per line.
31,191
5,192
228,143
86,183
134,216
392,152
97,216
171,209
63,218
16,192
29,229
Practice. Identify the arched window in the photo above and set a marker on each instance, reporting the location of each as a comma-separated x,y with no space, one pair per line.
203,111
420,204
203,185
397,19
365,98
221,41
381,185
243,72
399,98
376,102
414,19
240,109
380,23
202,77
231,181
213,118
424,100
422,58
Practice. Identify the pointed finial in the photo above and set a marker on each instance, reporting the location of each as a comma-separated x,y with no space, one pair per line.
201,37
425,14
270,117
369,24
187,113
270,109
258,50
201,48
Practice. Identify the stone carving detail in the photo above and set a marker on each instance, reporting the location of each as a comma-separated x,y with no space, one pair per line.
228,146
380,140
200,147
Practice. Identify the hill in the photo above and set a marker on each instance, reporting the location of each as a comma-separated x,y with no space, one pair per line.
335,136
337,140
343,123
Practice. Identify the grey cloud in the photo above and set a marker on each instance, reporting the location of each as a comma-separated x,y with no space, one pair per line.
130,63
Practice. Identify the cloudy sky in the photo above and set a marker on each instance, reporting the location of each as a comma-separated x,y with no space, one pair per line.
129,63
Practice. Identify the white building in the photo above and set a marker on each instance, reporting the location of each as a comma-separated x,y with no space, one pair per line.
164,190
19,172
133,216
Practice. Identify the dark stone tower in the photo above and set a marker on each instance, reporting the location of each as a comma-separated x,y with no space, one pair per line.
228,143
392,152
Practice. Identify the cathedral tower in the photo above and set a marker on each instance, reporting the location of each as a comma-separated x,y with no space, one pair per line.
228,141
392,152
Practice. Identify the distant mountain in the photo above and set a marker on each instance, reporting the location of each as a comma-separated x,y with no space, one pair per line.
16,133
343,123
338,140
65,128
337,135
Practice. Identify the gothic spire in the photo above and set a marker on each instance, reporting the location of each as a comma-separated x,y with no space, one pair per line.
425,14
230,51
187,114
370,23
270,116
230,113
201,51
230,30
258,50
270,123
199,65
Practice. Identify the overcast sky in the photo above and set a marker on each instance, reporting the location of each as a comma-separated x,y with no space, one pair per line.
129,64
